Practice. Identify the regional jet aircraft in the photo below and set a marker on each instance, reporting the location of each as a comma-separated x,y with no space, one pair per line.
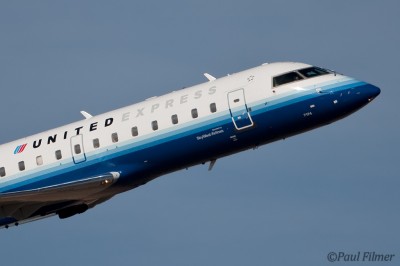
70,169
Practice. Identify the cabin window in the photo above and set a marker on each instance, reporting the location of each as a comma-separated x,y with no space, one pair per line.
96,143
114,137
39,160
77,149
213,108
134,131
195,114
311,72
2,171
21,165
286,78
154,125
174,119
58,155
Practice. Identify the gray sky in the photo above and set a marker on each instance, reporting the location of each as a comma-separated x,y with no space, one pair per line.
291,202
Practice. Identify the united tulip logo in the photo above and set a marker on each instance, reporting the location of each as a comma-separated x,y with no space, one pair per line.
20,148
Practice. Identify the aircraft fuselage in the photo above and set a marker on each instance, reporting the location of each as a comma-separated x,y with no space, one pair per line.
135,144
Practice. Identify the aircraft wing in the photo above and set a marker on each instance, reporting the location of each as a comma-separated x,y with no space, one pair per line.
43,201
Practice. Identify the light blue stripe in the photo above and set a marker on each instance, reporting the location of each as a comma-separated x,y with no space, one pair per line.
143,142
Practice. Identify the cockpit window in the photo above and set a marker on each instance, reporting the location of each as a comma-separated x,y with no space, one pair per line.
300,74
286,78
311,72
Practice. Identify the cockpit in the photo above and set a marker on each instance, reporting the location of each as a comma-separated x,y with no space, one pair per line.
296,75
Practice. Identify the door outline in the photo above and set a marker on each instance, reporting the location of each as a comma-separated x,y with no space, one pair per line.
81,156
240,115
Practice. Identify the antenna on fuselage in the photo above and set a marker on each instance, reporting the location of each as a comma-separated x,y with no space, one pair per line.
212,163
209,77
86,115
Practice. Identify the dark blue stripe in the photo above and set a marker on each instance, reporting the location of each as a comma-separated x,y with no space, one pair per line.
179,149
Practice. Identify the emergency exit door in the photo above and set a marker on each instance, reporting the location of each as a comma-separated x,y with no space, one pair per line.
78,152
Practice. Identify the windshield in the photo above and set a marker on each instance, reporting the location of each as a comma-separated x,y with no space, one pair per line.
313,72
300,74
286,78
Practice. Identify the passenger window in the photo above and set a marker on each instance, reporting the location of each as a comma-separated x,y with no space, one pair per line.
21,165
213,108
286,78
2,171
174,119
154,125
39,160
195,114
134,131
114,137
58,155
96,143
77,149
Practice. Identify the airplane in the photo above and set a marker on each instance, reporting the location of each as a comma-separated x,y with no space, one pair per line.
70,169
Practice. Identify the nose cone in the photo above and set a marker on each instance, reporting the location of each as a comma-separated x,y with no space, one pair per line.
372,92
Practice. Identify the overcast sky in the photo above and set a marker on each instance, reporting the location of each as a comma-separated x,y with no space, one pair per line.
288,203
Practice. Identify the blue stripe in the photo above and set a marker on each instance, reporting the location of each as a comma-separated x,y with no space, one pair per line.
129,157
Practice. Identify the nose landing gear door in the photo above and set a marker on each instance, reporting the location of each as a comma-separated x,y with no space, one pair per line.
238,108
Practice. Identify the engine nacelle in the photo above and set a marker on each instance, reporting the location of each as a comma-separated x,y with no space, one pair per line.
71,211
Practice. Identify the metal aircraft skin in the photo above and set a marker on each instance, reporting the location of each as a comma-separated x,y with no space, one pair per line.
67,170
